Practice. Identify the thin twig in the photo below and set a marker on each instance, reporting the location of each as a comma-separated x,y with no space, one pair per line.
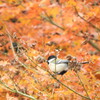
90,41
14,83
94,45
16,91
86,20
47,18
82,85
85,62
15,56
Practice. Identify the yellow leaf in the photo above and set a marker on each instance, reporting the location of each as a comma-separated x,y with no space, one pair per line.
24,21
32,53
53,11
72,2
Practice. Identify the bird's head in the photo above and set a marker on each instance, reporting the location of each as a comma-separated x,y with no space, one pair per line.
51,58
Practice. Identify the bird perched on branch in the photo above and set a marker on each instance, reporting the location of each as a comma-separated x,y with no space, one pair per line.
60,66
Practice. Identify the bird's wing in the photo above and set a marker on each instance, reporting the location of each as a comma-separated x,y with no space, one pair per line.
61,61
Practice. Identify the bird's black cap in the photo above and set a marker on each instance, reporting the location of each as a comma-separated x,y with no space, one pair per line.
50,57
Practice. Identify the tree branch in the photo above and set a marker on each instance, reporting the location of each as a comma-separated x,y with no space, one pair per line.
47,18
86,20
16,91
90,41
82,85
94,45
69,87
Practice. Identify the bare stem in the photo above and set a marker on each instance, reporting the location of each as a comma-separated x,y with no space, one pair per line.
86,20
94,45
47,18
16,91
90,41
15,56
82,84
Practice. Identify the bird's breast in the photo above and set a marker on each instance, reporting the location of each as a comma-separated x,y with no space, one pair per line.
58,67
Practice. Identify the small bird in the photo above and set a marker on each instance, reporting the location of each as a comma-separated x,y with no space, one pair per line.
58,66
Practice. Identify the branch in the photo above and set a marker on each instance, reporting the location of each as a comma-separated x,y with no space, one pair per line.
85,62
15,56
90,41
94,45
16,91
47,18
86,20
69,87
82,85
14,83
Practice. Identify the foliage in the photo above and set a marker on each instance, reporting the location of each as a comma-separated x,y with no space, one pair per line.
32,30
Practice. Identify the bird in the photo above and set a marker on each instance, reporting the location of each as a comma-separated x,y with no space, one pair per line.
56,65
